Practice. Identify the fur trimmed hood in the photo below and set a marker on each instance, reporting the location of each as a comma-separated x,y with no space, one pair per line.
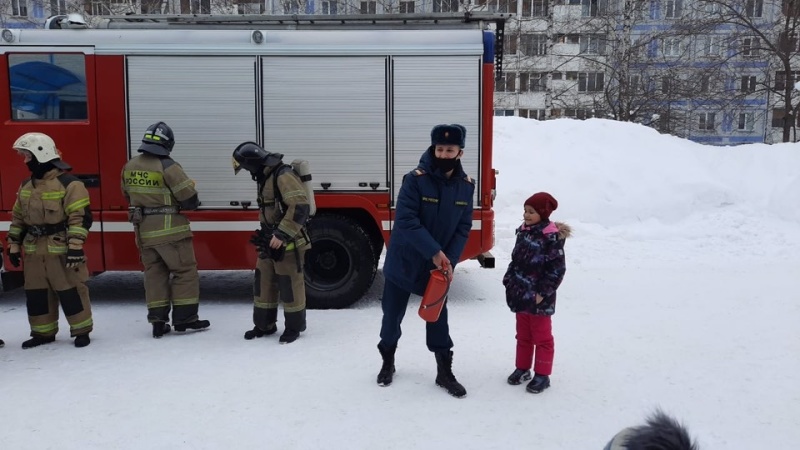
564,230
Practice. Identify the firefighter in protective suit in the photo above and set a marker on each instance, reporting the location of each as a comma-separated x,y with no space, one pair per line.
282,242
158,190
50,222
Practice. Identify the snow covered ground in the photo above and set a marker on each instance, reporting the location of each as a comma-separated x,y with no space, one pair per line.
682,292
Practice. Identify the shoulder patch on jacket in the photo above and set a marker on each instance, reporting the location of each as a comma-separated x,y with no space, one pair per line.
66,179
167,162
418,171
469,179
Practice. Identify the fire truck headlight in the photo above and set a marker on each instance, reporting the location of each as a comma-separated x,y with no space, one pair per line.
8,35
258,37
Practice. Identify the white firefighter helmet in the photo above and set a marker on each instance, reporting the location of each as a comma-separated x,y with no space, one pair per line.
42,147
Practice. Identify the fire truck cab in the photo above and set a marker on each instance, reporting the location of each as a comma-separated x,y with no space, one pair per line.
356,96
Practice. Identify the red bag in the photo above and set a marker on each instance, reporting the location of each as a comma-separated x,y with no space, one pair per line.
435,295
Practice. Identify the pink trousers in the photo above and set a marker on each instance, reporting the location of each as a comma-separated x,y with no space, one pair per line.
535,344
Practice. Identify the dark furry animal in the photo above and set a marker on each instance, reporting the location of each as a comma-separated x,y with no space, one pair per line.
660,432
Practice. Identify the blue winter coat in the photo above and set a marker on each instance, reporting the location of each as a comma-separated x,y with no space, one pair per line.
433,213
537,267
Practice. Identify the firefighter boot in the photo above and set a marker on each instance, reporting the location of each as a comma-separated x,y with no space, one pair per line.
160,329
196,325
82,340
258,332
36,341
445,377
387,369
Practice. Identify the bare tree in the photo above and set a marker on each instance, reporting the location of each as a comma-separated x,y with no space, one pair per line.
761,35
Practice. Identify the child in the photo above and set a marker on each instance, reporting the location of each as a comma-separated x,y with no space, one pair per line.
535,272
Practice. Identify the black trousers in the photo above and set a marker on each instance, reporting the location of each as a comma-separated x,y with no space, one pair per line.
394,304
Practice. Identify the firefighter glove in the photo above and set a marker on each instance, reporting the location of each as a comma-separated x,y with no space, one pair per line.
261,241
15,258
75,257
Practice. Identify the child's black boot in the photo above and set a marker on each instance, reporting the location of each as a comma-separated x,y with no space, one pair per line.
518,376
538,384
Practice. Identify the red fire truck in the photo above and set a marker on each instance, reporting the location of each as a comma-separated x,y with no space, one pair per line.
356,96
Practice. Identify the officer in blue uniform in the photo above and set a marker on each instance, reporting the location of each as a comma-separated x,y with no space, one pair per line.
432,223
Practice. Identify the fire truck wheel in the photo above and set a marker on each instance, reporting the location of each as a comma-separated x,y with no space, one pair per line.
11,280
341,264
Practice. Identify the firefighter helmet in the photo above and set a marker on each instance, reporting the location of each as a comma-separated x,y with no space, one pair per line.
252,157
158,140
42,148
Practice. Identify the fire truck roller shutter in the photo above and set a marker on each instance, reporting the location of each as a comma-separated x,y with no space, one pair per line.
341,264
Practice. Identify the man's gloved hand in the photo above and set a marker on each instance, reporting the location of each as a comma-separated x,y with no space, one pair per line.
75,257
261,241
14,256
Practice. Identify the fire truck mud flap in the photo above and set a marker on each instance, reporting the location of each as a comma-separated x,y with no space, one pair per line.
486,260
341,264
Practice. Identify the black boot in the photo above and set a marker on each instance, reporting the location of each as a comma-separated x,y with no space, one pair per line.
2,344
289,336
445,377
196,325
387,369
518,376
37,341
160,329
258,332
82,340
538,384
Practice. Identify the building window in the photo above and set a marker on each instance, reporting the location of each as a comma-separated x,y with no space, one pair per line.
788,42
668,84
592,8
499,6
712,8
407,7
754,8
706,122
291,6
446,6
537,114
330,7
533,44
19,8
747,122
590,82
671,46
370,7
711,45
750,46
510,44
506,83
673,9
747,83
634,83
198,7
705,83
47,86
534,8
781,80
791,8
593,44
779,116
504,112
532,81
60,7
248,7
